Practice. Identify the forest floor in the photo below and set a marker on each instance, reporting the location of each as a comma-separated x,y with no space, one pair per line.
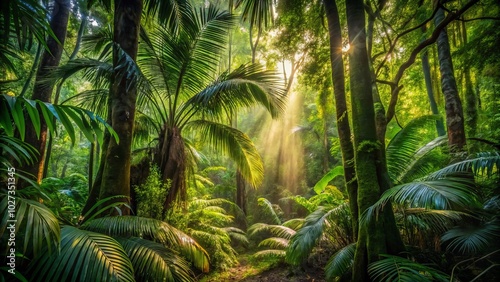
249,270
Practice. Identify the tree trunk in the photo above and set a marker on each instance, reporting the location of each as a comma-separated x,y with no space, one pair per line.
241,195
430,93
471,101
116,173
343,128
42,90
376,237
172,164
453,105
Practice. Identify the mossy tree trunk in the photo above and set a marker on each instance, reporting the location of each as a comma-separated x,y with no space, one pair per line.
171,160
378,236
43,90
122,102
426,69
343,127
453,105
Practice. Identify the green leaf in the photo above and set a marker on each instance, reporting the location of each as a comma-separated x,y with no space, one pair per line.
66,123
18,116
236,144
323,182
83,256
34,116
47,116
37,222
341,262
154,262
393,268
5,121
152,229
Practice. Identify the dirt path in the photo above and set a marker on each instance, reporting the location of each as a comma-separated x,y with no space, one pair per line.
250,271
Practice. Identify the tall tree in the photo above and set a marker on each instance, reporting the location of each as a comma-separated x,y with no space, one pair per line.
190,94
115,179
453,105
343,127
424,57
373,237
43,90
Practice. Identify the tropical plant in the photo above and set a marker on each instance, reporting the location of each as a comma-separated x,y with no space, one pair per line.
67,196
182,91
449,204
189,95
16,110
23,21
274,235
210,224
124,248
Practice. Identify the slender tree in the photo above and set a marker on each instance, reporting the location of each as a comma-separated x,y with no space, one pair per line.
453,105
343,127
424,57
43,90
376,237
122,101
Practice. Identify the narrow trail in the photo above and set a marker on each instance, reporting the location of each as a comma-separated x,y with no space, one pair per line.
246,272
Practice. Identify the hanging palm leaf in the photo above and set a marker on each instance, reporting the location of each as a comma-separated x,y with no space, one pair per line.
36,225
153,262
83,256
341,262
394,268
152,229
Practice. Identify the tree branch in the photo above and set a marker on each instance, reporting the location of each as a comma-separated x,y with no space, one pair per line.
395,88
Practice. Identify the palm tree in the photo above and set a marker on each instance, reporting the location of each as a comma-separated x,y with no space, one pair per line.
188,94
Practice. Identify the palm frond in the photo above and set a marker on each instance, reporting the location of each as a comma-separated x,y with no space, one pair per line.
83,256
341,262
186,60
403,146
270,254
393,268
17,107
236,144
237,235
35,222
436,220
268,210
294,223
12,148
153,262
443,193
245,86
484,163
275,243
425,160
97,71
170,13
302,243
473,238
257,12
23,21
152,229
277,230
